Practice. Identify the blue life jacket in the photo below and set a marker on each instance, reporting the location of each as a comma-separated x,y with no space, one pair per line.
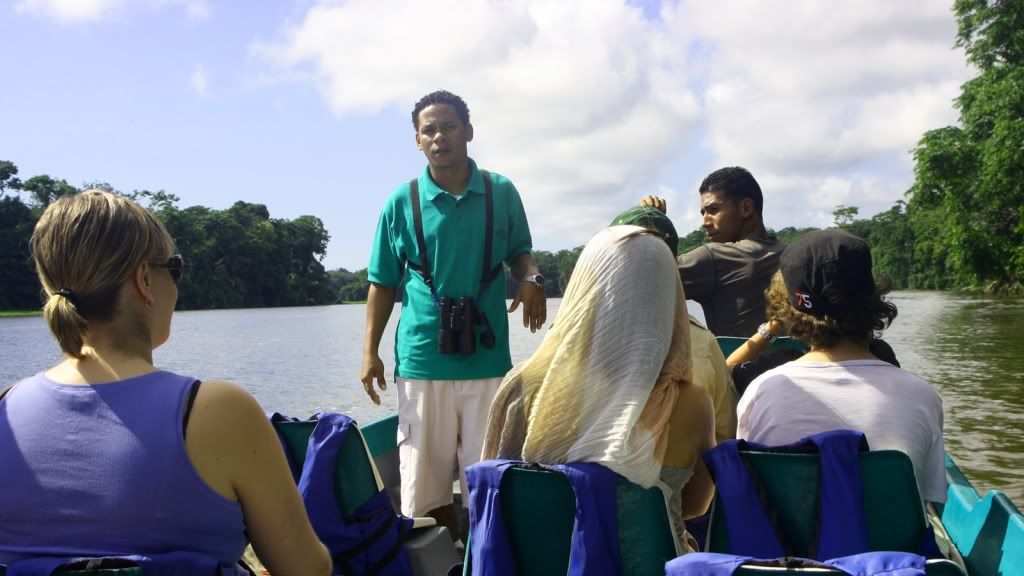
372,542
866,564
595,543
169,564
842,540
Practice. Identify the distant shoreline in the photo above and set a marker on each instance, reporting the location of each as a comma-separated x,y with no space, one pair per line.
20,313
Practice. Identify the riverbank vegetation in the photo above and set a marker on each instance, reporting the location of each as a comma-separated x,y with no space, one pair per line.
235,258
20,313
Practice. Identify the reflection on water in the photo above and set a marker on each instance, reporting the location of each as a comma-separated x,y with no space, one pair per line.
971,349
302,360
294,360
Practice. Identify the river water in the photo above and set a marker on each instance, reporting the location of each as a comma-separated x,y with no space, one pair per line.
302,360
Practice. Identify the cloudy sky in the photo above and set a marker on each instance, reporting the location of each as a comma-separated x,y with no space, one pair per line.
586,105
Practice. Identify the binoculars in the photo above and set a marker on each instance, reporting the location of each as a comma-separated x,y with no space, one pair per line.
457,334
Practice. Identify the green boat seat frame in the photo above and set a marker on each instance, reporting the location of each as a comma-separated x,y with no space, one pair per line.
539,508
729,344
893,509
356,480
381,439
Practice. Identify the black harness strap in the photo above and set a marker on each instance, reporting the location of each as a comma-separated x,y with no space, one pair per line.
488,274
188,406
417,219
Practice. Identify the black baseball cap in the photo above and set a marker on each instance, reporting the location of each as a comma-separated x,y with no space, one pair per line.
827,271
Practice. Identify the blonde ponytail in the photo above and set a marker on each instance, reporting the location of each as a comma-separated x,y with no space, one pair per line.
66,324
85,247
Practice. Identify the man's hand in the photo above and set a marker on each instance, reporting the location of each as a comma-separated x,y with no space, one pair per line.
373,367
655,202
535,306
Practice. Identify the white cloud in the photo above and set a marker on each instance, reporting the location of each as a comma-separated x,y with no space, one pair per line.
822,101
586,104
579,103
199,80
194,9
67,10
94,10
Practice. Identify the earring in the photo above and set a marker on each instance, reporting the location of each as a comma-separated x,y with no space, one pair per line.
150,304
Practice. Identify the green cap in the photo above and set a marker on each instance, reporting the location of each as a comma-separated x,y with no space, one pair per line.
654,220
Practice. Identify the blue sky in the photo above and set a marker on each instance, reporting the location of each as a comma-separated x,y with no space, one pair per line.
304,106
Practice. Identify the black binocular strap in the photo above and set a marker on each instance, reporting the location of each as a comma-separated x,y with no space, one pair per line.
417,219
489,274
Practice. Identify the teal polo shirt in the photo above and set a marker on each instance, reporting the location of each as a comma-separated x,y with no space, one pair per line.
454,228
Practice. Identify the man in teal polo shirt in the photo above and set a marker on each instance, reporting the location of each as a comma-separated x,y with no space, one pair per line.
445,392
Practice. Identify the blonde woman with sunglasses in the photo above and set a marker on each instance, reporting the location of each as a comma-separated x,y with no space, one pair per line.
105,454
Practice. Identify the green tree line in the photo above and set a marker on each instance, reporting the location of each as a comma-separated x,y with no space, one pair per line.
555,266
238,257
962,223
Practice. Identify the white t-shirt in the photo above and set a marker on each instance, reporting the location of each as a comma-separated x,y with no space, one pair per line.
895,409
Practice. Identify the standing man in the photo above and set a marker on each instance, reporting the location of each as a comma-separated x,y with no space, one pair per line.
729,274
443,238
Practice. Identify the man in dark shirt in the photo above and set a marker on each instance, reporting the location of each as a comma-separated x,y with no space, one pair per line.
729,274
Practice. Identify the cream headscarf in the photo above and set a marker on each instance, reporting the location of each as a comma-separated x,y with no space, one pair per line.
604,382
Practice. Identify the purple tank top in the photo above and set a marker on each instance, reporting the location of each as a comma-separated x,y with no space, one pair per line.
103,470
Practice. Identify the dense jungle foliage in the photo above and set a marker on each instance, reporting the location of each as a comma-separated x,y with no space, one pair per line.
235,258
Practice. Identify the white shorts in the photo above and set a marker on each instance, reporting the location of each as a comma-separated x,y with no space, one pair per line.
441,425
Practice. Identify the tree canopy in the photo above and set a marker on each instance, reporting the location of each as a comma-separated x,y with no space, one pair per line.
966,207
238,257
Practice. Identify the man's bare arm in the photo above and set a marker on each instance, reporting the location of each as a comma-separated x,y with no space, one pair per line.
524,266
535,306
379,303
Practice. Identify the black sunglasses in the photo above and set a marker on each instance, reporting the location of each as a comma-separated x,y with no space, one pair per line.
175,265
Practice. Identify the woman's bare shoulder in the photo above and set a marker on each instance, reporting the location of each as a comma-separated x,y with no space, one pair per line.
226,407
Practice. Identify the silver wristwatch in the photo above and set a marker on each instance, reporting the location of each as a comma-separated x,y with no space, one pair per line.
536,279
763,331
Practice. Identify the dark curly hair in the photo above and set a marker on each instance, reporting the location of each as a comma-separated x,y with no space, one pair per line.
861,321
736,183
440,97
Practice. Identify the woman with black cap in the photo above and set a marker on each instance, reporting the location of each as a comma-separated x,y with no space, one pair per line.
825,295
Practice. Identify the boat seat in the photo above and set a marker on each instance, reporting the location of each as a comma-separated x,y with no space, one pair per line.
538,509
381,438
729,344
894,513
356,480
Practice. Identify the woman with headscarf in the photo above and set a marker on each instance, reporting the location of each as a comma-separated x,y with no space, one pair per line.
611,383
